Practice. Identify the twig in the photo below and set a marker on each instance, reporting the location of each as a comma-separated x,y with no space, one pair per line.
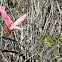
59,8
9,39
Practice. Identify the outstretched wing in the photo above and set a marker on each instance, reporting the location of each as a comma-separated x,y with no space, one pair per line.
20,20
6,18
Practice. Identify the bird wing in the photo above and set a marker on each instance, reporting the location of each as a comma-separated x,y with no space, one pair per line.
6,18
20,20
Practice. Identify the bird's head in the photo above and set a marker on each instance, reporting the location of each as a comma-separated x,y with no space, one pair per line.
7,29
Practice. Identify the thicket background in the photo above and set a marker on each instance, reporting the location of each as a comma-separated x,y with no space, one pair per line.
41,41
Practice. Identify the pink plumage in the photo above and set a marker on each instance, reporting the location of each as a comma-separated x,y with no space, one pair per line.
20,20
8,20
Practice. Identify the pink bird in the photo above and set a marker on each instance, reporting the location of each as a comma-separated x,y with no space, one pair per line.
9,22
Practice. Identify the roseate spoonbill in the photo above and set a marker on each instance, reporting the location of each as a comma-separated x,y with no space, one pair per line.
9,22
